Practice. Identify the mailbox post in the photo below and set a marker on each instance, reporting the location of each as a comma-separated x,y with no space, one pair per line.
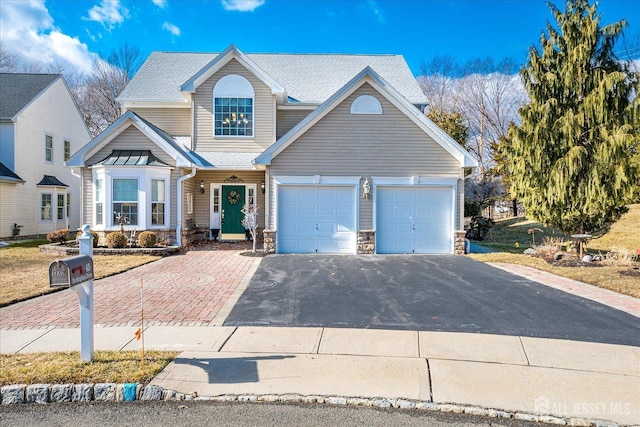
77,273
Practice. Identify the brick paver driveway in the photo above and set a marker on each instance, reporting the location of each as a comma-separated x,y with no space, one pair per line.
187,289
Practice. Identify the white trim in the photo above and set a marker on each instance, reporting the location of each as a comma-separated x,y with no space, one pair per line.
414,180
215,217
316,180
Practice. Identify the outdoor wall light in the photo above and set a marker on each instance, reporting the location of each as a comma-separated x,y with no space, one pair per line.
366,189
202,187
262,187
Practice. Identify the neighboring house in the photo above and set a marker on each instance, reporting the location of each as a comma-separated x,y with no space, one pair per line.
332,149
40,126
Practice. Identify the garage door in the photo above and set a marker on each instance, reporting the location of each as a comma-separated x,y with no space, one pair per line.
414,220
316,219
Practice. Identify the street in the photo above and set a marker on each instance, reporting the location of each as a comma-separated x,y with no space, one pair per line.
193,414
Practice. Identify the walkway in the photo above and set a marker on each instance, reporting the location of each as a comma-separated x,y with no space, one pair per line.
188,289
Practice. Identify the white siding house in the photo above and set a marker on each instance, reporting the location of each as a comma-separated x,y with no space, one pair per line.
40,127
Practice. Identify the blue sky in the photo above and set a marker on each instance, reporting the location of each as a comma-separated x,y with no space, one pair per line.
72,31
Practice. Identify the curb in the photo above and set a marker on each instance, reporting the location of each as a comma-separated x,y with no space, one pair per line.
129,392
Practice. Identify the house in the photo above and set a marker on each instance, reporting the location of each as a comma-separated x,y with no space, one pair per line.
333,150
40,126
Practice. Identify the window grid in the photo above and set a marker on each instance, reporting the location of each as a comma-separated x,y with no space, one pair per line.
60,206
233,117
67,150
125,200
68,205
45,207
48,148
157,201
98,200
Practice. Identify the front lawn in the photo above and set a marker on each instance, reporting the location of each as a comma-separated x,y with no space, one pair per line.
24,271
67,368
510,238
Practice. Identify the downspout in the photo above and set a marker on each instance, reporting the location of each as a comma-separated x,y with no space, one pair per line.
79,176
179,204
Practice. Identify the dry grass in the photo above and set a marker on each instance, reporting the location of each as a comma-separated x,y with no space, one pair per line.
625,280
622,242
67,368
24,271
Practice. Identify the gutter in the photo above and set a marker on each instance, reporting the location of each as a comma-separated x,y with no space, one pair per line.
179,205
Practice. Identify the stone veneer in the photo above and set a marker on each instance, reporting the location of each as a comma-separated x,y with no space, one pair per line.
458,245
366,242
269,241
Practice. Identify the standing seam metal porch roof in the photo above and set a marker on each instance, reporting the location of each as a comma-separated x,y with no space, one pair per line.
307,78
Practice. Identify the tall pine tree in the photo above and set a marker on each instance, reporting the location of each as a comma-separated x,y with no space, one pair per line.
569,160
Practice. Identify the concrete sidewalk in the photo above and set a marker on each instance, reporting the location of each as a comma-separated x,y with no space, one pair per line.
565,379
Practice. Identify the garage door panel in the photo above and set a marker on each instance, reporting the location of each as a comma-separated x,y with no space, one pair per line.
323,216
414,220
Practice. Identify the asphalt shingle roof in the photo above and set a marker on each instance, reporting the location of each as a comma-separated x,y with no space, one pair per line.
17,90
7,174
309,78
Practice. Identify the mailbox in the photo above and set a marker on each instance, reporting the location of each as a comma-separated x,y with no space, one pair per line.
71,271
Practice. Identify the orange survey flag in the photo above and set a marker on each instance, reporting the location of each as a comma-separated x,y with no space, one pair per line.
138,334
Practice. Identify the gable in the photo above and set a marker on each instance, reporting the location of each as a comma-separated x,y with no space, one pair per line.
384,90
387,143
130,139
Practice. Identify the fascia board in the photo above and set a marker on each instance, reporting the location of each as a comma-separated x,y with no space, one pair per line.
128,104
28,104
220,61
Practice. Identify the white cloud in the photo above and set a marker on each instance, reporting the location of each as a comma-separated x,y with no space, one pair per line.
27,28
109,13
242,5
377,11
168,26
160,3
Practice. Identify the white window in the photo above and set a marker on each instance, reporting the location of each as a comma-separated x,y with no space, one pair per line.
67,150
68,205
125,201
233,106
45,206
366,104
61,206
48,148
141,194
157,201
99,197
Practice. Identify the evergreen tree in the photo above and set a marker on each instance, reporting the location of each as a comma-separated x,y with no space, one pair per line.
570,159
451,123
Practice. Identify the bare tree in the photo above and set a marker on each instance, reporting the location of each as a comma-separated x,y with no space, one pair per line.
8,60
97,97
438,83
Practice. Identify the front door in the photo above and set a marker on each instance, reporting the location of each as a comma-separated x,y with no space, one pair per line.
233,198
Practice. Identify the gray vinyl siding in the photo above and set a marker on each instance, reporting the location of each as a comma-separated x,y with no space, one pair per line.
202,202
287,119
343,144
264,112
174,121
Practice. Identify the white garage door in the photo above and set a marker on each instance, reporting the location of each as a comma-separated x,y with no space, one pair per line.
316,219
414,220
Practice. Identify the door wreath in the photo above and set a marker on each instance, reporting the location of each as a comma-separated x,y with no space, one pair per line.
233,197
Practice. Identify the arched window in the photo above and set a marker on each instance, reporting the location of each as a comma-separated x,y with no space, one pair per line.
233,106
366,104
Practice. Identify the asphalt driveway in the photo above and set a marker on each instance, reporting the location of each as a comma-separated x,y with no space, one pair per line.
421,292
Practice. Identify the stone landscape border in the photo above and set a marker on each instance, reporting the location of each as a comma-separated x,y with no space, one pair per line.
129,392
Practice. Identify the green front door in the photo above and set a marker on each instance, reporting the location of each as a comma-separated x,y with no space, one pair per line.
232,202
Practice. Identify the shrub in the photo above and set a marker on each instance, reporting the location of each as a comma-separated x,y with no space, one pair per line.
58,236
147,239
471,208
116,239
479,228
620,257
550,245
